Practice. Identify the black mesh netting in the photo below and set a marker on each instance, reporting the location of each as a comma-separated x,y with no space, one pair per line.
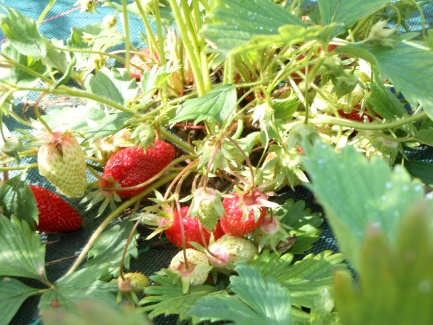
156,253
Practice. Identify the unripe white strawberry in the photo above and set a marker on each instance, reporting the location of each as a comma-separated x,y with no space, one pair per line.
62,162
195,272
330,98
229,250
206,205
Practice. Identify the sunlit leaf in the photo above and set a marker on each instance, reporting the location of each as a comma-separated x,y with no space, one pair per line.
237,22
348,12
23,33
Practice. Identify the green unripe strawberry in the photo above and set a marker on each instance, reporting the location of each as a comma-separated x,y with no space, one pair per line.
133,281
62,162
207,207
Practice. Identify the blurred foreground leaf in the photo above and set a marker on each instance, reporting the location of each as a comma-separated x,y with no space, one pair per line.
396,282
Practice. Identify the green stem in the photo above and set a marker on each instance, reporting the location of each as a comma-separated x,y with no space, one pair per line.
64,90
126,31
111,217
38,114
26,69
368,126
20,167
45,11
161,50
192,57
177,141
151,41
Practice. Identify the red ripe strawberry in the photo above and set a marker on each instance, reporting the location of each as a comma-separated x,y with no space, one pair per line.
191,229
132,166
354,115
244,213
55,214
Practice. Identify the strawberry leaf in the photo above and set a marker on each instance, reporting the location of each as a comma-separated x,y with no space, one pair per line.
17,199
425,136
304,279
422,170
400,268
23,33
348,12
12,295
305,224
18,76
381,196
101,84
109,125
109,246
218,105
167,297
256,300
81,285
22,253
72,117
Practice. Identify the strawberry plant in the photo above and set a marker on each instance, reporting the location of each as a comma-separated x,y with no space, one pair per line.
195,138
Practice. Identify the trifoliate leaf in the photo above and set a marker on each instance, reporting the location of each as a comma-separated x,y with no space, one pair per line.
84,284
218,105
21,253
357,194
23,33
167,297
17,199
256,300
92,312
109,246
12,295
395,278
